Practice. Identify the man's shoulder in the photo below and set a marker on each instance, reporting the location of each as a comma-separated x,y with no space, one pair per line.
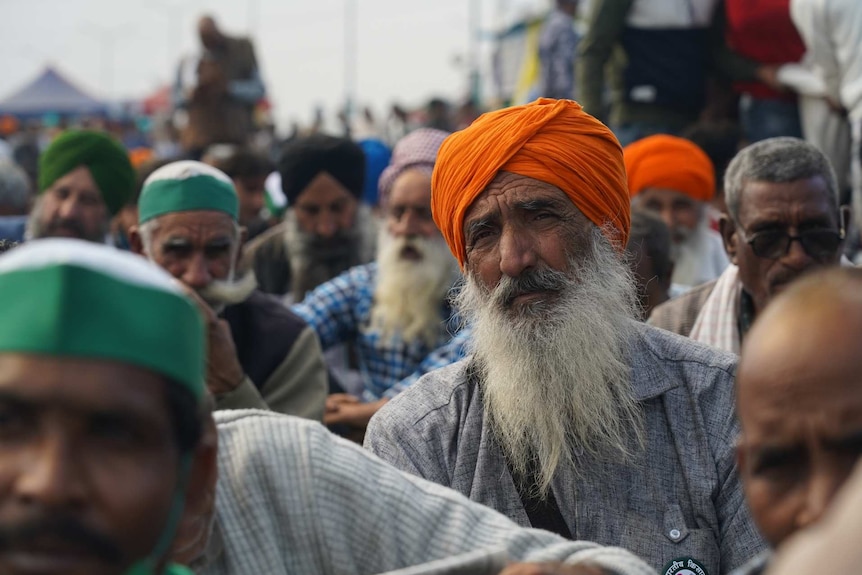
662,361
672,347
363,273
679,314
267,243
436,392
268,313
254,432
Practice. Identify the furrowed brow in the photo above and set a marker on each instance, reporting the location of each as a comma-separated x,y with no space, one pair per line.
176,242
537,205
480,224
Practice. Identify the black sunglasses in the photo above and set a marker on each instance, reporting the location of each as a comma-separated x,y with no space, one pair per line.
774,244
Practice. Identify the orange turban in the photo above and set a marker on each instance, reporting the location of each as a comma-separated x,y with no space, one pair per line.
553,141
669,163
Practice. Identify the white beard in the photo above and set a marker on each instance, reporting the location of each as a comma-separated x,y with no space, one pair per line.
410,293
694,262
554,375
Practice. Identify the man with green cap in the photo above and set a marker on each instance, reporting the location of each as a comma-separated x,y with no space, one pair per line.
85,177
261,355
101,411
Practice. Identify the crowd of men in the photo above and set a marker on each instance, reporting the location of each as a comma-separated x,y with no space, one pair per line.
527,346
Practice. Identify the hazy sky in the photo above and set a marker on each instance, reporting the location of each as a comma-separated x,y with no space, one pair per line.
407,50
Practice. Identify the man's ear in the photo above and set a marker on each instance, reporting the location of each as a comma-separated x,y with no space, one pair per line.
727,228
846,218
136,244
199,510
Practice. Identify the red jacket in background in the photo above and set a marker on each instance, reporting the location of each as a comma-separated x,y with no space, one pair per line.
762,30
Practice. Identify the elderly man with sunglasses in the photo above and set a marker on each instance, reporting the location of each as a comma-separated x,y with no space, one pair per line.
782,220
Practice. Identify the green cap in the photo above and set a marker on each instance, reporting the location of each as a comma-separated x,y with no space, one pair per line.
73,298
187,186
106,159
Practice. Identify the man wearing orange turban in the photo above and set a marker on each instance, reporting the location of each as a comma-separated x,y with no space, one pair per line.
569,415
675,179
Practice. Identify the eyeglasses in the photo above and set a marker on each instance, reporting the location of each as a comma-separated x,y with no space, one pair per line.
774,244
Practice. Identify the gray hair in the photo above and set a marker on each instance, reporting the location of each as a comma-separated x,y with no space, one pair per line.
776,160
14,187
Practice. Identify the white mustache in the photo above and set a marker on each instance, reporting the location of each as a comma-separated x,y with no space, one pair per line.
229,292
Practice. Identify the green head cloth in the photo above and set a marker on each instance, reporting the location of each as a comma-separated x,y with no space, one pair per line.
107,160
73,298
187,186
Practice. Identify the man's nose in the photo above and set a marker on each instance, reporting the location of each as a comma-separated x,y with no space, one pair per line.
796,256
53,477
517,253
196,275
326,226
407,225
70,208
820,490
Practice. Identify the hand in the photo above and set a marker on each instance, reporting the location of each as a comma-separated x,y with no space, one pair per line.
345,409
551,569
835,106
224,373
769,76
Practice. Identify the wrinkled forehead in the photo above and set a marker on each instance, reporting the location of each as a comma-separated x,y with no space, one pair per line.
81,384
508,193
196,226
787,202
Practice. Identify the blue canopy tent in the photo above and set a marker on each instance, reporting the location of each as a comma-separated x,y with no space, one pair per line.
51,93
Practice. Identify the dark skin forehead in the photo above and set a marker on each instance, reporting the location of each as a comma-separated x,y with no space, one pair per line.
783,375
199,226
519,193
787,203
84,387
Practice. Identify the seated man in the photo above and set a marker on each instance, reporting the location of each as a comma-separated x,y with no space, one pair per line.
101,407
800,403
249,170
782,220
260,354
85,178
325,230
675,179
395,310
570,414
648,252
14,200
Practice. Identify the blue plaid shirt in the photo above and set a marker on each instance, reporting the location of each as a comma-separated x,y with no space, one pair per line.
340,311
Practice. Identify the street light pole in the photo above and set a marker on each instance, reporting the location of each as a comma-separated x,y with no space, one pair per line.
473,21
350,62
107,38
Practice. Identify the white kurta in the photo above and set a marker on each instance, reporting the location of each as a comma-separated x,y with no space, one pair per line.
293,498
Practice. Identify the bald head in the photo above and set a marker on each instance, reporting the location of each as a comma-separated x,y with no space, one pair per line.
799,395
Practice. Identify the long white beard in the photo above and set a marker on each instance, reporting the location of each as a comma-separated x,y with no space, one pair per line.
410,293
554,374
692,256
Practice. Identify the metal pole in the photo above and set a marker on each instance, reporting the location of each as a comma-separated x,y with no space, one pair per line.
473,19
253,17
350,62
